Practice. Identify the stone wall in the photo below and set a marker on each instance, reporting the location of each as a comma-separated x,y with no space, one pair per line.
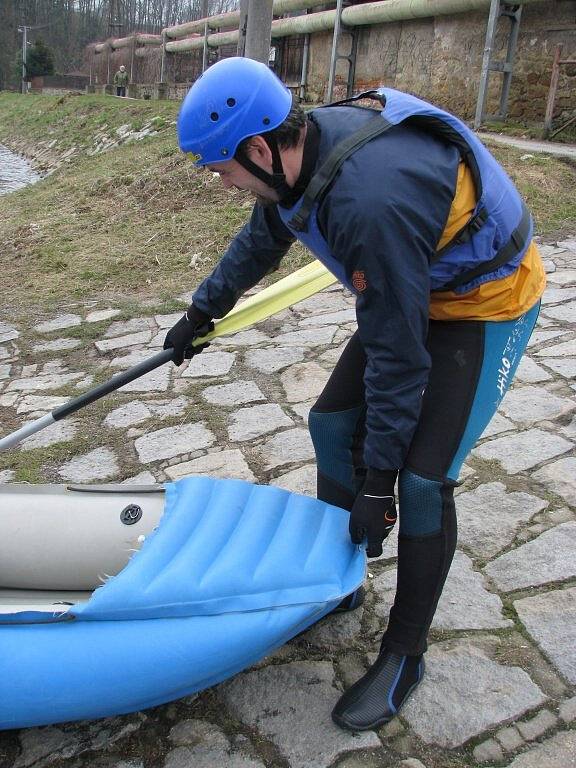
440,59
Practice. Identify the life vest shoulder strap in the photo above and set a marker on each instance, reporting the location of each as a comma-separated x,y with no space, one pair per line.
327,172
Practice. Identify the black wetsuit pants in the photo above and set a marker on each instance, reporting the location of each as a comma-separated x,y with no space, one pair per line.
473,363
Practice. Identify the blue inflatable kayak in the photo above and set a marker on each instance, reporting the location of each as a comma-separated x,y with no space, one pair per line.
231,572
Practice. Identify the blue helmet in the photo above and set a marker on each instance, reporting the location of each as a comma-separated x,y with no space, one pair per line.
234,99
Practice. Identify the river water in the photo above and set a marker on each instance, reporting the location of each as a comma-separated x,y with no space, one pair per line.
15,171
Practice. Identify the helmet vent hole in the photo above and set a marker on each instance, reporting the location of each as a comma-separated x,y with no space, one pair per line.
266,121
214,116
231,102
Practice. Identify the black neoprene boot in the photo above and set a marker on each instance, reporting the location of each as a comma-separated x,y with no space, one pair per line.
378,696
351,602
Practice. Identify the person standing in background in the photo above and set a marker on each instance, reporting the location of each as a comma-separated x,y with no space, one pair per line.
121,81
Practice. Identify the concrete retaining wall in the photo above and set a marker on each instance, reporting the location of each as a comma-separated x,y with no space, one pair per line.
440,59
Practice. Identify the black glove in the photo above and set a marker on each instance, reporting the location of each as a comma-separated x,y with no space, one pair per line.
374,511
194,323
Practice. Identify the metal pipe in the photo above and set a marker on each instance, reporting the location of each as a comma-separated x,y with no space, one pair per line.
232,18
304,74
163,59
356,15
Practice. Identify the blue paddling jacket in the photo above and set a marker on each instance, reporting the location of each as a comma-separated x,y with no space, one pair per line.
373,212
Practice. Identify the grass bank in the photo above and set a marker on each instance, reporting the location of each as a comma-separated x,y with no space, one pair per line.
125,217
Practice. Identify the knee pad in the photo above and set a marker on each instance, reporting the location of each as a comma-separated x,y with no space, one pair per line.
424,504
333,434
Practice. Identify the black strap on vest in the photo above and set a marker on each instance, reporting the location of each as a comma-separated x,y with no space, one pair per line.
325,175
516,244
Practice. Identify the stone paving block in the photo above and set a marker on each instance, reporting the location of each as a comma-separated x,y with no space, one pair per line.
560,478
509,738
339,317
497,424
4,371
290,704
548,558
99,464
99,315
247,338
9,401
301,480
524,450
312,337
557,752
487,751
272,359
489,508
564,366
8,332
567,710
129,327
120,342
302,409
252,422
155,381
539,336
322,302
537,726
303,381
530,372
42,747
169,408
236,393
131,358
224,464
465,602
169,442
142,478
411,762
566,313
465,693
336,632
566,348
58,323
35,403
59,432
293,445
127,415
550,618
333,355
167,321
556,295
563,277
201,744
209,364
57,345
530,404
44,382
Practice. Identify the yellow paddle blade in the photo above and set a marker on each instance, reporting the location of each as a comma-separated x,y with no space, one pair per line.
289,290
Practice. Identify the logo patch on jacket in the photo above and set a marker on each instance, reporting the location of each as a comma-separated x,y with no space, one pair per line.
359,280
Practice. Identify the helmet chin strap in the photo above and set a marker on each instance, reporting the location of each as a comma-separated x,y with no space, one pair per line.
277,179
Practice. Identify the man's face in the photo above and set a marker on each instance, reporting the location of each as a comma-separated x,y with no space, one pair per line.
232,174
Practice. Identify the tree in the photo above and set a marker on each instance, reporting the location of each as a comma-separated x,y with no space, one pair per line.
39,60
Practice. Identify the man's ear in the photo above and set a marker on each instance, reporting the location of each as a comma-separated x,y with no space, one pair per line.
258,151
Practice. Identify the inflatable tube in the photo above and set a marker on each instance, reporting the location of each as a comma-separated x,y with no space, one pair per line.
232,572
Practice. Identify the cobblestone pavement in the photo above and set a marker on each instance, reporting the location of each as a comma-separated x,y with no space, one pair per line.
500,687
